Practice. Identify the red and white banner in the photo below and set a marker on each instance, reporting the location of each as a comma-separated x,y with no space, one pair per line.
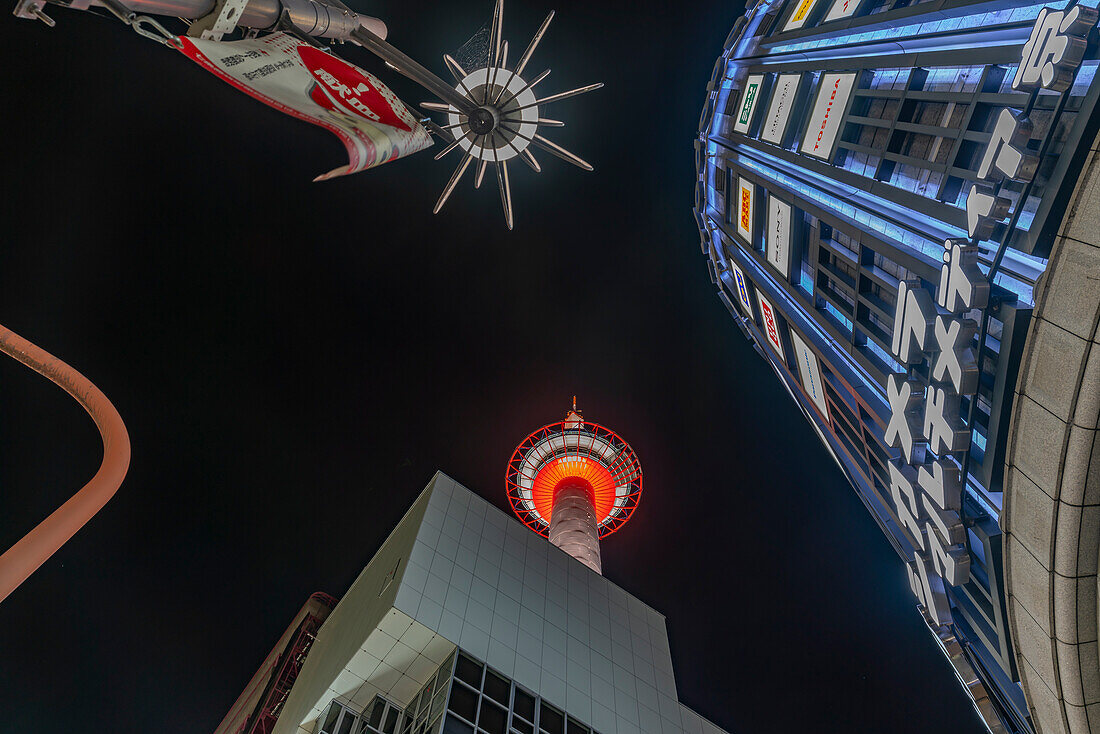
303,81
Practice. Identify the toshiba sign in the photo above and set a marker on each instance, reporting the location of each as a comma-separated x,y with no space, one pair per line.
824,124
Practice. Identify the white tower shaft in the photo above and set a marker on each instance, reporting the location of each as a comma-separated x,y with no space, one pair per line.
573,524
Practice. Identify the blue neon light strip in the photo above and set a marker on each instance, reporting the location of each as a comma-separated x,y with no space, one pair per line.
892,364
956,25
903,239
806,281
839,315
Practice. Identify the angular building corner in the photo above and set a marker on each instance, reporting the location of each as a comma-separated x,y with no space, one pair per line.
466,621
899,205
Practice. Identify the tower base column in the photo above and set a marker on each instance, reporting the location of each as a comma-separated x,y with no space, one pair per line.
573,523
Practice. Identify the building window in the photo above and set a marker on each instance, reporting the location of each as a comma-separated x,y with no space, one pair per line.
339,719
484,701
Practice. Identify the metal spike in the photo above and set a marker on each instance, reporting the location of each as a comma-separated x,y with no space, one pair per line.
567,95
508,142
561,152
534,44
481,166
492,82
505,191
454,144
525,154
433,128
436,106
550,123
453,182
454,67
460,74
495,33
523,89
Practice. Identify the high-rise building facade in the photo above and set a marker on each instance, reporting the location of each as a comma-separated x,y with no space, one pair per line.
465,621
899,205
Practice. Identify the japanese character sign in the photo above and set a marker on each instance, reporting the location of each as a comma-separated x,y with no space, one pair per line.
962,285
983,211
913,318
1055,49
1005,156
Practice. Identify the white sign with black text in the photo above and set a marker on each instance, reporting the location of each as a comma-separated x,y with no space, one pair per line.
779,236
779,111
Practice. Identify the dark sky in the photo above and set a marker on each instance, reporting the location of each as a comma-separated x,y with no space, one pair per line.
295,360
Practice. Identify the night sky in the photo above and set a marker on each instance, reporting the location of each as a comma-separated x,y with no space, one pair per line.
294,361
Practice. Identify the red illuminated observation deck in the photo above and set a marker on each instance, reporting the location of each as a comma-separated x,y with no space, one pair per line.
574,482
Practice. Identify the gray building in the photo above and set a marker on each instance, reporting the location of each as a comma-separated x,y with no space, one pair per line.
899,205
466,621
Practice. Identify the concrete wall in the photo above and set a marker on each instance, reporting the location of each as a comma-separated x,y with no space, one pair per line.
358,614
480,578
1051,516
471,576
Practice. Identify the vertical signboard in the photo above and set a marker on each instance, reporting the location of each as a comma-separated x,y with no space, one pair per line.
779,236
771,325
825,117
841,9
742,289
749,98
810,372
779,111
745,202
799,14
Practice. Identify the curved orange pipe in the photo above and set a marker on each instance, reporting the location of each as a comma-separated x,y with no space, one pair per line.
24,558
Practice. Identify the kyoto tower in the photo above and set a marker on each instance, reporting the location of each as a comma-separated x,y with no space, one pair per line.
574,482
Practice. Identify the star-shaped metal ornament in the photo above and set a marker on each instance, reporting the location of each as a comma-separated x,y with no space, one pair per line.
505,122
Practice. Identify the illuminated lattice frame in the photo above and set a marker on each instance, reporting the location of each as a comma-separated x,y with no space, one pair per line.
585,440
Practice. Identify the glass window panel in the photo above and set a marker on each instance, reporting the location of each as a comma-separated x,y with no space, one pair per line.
391,721
426,696
444,674
347,722
550,719
524,704
437,704
521,726
492,719
468,671
576,727
497,688
378,707
334,710
463,702
452,725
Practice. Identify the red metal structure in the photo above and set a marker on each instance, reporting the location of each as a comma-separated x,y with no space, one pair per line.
258,707
574,482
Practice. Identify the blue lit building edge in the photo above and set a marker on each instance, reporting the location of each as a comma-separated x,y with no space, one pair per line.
942,51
